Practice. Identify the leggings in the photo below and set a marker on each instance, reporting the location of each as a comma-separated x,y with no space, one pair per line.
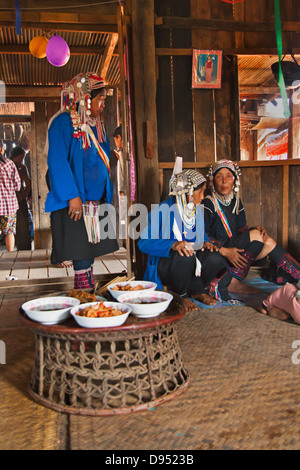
82,264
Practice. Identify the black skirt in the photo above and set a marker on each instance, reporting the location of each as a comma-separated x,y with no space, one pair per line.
70,240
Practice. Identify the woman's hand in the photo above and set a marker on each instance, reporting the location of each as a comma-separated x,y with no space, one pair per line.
184,248
234,256
75,208
209,246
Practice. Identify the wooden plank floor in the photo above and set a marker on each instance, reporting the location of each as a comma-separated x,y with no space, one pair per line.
33,270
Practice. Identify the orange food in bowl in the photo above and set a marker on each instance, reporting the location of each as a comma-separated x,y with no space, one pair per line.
99,311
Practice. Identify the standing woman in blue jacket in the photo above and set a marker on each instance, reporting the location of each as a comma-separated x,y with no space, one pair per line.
79,175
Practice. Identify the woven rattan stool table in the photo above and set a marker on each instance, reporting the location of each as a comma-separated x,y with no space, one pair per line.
107,371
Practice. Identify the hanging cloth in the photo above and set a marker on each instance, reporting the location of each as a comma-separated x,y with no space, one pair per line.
178,236
18,18
91,213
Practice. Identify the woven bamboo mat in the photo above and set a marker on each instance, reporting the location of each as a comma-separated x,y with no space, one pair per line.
24,425
244,391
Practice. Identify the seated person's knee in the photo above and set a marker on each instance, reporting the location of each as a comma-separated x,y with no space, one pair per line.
185,260
255,235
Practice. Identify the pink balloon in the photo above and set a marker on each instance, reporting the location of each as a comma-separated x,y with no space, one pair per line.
57,51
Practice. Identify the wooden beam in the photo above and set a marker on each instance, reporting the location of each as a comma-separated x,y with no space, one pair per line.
14,118
168,51
33,93
108,53
71,27
241,163
76,22
58,17
222,25
258,90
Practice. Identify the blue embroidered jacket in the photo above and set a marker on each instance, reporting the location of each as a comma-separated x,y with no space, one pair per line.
74,171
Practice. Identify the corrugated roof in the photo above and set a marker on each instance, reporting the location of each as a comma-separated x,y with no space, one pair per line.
25,69
256,70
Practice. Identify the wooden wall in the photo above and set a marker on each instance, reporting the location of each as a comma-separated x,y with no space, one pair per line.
204,125
39,127
174,93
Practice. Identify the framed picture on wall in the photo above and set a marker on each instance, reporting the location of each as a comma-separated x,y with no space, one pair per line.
207,69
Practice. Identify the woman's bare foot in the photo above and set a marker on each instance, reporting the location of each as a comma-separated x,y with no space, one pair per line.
262,310
205,299
279,314
238,287
65,264
190,305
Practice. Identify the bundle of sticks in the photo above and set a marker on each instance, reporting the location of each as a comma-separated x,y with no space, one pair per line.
117,279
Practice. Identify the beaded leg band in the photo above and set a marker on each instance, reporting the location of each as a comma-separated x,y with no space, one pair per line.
84,279
290,266
213,289
241,273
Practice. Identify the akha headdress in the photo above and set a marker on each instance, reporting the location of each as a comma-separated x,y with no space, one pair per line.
76,98
185,182
235,169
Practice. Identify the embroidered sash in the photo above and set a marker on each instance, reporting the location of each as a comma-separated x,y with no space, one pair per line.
223,218
89,132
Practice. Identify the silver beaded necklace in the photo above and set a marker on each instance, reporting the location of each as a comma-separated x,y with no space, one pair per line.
225,199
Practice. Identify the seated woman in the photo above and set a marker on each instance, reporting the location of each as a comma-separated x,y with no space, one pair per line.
225,224
179,254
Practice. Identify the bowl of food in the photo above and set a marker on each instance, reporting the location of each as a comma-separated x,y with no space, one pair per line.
49,310
120,288
146,304
100,314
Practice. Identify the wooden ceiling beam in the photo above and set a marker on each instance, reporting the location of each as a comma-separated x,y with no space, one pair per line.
32,93
108,53
258,90
74,22
222,25
272,51
14,118
74,28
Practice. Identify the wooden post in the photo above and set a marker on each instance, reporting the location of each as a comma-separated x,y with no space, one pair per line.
125,124
144,85
144,77
285,206
41,220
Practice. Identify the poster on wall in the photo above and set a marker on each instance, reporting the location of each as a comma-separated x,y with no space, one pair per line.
207,69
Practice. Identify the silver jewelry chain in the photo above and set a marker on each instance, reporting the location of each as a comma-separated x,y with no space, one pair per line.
225,199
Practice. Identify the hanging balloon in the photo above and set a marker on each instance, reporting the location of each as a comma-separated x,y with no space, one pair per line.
58,51
37,46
